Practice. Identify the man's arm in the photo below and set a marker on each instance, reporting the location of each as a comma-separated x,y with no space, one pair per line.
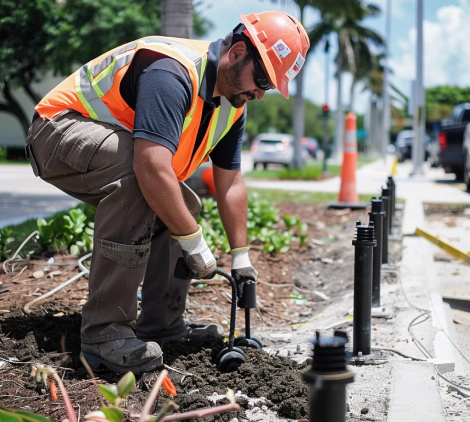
232,201
160,187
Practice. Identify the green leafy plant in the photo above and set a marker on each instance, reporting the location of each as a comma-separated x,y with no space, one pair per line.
115,394
6,240
72,231
262,226
20,416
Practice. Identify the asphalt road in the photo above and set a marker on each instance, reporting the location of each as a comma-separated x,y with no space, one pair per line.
24,196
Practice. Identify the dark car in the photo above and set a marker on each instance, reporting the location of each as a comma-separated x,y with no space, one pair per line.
404,147
451,139
466,157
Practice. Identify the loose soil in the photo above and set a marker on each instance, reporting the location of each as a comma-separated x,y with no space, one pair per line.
49,335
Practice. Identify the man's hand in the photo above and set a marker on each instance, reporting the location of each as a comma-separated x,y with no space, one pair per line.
242,270
197,254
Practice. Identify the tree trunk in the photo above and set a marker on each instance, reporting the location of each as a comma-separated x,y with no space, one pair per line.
177,18
35,97
351,99
339,130
13,107
299,113
298,121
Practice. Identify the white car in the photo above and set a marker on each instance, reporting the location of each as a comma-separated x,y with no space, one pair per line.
274,148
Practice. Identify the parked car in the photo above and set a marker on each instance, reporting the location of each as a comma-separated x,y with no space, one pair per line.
451,137
404,144
311,145
466,157
404,147
274,148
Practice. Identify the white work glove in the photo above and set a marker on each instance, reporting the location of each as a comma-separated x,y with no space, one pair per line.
242,270
197,254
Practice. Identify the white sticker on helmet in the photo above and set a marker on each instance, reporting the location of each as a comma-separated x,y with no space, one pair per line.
295,68
281,48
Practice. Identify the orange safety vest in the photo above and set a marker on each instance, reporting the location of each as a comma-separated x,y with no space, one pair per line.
93,91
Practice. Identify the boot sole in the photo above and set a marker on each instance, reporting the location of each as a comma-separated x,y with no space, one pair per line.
97,363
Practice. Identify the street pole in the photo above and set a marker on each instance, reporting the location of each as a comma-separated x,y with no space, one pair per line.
386,86
419,112
325,113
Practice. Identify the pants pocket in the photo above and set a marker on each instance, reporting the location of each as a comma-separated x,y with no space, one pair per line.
124,255
30,157
80,142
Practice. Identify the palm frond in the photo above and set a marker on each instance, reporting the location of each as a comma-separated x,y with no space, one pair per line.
318,32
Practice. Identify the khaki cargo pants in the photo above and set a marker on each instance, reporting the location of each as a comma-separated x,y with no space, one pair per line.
93,162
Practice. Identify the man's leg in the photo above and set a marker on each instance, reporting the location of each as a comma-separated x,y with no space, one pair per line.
93,162
163,295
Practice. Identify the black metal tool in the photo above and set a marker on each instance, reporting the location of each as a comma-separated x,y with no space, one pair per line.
247,302
230,358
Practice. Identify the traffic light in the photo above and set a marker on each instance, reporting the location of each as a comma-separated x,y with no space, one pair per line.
326,110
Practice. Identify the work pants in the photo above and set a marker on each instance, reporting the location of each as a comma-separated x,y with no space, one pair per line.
93,162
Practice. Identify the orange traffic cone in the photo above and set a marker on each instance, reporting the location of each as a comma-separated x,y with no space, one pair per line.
348,197
207,177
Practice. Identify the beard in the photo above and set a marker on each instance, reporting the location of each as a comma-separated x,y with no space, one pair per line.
235,93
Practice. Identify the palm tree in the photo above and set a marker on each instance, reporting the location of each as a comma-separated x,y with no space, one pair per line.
353,50
177,18
329,9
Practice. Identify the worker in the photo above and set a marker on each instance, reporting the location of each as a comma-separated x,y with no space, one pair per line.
122,134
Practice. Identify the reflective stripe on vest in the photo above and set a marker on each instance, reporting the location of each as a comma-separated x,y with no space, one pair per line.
201,69
221,124
97,91
93,82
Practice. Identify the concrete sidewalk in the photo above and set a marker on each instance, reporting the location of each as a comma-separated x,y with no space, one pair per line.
433,186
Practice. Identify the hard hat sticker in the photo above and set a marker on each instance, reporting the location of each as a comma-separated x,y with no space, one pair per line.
281,48
295,68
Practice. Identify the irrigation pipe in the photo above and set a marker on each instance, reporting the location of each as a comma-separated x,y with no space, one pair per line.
61,286
391,349
35,232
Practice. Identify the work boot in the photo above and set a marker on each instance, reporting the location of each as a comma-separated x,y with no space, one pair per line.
193,334
124,355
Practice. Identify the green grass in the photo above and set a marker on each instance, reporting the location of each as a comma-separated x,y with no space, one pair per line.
311,171
277,196
14,163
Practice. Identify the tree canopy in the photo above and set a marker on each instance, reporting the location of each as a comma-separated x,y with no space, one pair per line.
41,35
440,100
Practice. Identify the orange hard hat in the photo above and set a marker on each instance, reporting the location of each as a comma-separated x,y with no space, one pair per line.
282,43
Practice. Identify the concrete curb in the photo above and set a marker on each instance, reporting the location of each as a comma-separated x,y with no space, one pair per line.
415,388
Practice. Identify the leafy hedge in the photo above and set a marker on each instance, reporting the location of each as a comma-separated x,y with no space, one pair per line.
72,231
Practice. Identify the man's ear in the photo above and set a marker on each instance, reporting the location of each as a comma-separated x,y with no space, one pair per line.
237,52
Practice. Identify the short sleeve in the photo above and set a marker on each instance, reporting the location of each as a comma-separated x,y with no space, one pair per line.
164,93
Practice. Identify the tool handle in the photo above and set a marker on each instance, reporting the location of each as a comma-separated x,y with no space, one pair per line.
182,271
